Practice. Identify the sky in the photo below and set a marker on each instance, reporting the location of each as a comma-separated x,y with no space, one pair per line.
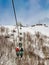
27,11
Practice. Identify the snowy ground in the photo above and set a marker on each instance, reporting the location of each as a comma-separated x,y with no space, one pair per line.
34,39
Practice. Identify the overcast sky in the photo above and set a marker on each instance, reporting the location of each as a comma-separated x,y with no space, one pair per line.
27,11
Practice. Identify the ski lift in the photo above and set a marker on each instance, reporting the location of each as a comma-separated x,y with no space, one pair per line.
20,45
21,52
20,38
20,33
17,51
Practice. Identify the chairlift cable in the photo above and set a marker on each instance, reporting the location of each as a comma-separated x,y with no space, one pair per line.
14,11
16,24
15,15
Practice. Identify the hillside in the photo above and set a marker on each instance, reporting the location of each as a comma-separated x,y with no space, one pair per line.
35,42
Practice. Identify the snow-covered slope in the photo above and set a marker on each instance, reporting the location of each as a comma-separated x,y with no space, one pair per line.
41,28
33,39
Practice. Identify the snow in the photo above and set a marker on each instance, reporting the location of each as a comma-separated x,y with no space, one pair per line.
44,30
46,44
32,30
39,53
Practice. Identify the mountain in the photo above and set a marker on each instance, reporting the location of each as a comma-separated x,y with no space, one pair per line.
35,42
